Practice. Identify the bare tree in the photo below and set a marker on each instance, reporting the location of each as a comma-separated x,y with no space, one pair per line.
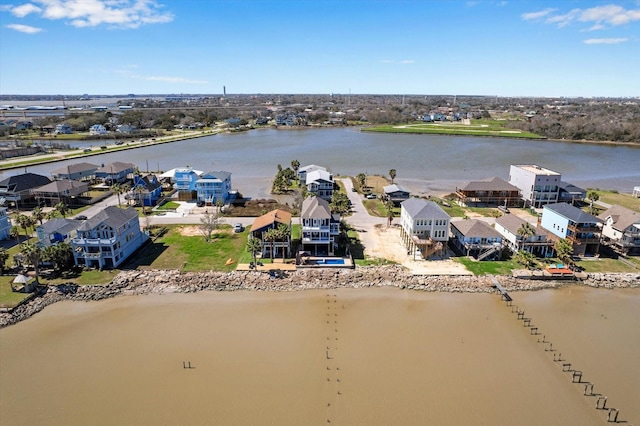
209,222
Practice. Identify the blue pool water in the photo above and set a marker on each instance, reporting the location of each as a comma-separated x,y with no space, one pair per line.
330,261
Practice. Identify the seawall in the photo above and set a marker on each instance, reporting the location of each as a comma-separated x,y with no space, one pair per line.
136,282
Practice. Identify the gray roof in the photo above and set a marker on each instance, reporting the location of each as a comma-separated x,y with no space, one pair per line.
570,188
111,216
475,228
59,225
419,208
572,213
512,223
315,208
217,175
394,188
75,168
116,167
58,186
622,217
491,184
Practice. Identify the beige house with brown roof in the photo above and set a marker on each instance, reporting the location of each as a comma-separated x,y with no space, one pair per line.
539,244
273,220
493,191
621,229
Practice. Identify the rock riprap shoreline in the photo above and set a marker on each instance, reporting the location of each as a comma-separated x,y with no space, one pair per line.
137,282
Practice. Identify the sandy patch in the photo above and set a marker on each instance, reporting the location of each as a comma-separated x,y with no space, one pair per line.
389,246
194,231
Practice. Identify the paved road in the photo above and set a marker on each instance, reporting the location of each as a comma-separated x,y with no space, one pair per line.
360,218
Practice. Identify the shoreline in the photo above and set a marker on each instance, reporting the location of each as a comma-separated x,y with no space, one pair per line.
136,282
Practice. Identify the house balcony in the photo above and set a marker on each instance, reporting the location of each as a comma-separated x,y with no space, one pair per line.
90,255
583,229
583,240
311,240
94,241
306,228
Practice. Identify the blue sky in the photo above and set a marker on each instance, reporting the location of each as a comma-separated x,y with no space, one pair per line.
483,47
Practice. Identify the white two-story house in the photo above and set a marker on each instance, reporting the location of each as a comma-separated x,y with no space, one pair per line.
320,228
425,226
320,183
108,238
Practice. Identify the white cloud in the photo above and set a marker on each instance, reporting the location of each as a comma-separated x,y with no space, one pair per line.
23,10
600,17
24,28
536,15
93,13
605,40
407,61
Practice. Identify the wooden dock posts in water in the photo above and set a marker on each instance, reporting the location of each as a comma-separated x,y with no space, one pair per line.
576,375
187,365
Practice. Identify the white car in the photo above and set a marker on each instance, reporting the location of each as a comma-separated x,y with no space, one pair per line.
371,196
238,228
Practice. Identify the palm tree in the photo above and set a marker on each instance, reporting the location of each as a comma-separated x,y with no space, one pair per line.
525,258
117,189
283,232
33,254
593,196
15,233
25,223
362,179
525,231
392,175
270,236
38,214
564,250
62,209
254,246
4,256
295,165
139,189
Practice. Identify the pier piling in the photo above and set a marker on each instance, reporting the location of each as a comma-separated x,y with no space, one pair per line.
577,374
613,415
602,406
566,366
588,389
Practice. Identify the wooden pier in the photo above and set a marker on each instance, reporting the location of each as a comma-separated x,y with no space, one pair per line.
503,292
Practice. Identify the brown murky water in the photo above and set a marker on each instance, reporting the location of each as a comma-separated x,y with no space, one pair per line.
350,357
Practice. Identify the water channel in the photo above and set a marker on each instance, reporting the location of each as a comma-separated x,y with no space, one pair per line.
425,164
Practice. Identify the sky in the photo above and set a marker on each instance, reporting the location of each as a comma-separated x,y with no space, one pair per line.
538,48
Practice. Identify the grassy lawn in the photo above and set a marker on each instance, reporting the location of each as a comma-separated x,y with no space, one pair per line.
8,298
169,205
174,250
502,267
624,200
605,265
476,128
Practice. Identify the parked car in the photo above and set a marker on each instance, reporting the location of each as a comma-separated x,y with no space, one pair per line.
353,188
371,196
238,228
200,204
80,217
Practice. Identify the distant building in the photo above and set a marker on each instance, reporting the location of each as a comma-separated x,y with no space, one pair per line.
63,129
539,243
570,193
146,190
213,187
320,183
490,192
97,129
18,188
539,186
116,172
184,181
395,193
76,171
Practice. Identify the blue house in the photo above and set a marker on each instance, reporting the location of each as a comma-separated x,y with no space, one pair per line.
57,231
213,186
147,189
581,229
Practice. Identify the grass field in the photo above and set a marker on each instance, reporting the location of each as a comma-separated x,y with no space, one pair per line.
9,298
624,200
501,267
476,128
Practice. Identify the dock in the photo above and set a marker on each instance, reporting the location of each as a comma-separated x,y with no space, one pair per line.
503,292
